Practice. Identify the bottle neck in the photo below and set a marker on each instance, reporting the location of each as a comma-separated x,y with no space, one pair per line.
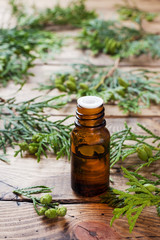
90,117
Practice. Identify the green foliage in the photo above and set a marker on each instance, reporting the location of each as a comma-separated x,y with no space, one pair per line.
121,148
130,203
25,121
112,38
4,158
134,14
74,14
132,90
49,209
18,50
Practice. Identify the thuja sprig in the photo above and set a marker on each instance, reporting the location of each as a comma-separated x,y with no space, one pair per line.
26,124
121,148
134,14
132,90
44,205
73,14
4,158
130,203
112,38
18,50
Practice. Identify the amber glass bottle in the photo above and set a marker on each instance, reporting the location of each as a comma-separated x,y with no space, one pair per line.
90,142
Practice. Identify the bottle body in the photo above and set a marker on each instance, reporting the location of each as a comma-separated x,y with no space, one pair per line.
90,142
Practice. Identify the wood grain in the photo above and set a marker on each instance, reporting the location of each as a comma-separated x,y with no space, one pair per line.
42,74
87,218
21,222
24,172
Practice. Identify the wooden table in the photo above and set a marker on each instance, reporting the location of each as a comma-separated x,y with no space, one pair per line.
87,218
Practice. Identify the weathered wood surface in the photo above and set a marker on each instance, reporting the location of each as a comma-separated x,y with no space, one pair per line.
83,222
87,218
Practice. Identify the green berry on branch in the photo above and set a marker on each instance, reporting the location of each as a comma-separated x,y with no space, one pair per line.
61,211
123,83
58,81
142,153
51,213
83,86
61,88
23,146
46,199
32,148
150,187
148,150
37,137
70,85
71,79
42,210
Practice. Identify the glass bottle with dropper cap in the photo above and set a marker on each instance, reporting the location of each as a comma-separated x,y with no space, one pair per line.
90,142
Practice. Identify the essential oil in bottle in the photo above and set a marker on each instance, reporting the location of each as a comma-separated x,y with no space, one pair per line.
90,143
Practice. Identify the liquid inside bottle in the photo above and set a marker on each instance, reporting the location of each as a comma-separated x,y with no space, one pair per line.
90,148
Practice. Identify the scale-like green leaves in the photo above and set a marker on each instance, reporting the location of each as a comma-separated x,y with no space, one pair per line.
130,203
132,90
25,123
74,14
18,50
121,148
117,40
134,14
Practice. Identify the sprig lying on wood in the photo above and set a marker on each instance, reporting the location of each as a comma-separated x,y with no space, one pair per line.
121,148
142,192
133,90
25,121
18,50
74,14
134,14
130,203
112,38
48,208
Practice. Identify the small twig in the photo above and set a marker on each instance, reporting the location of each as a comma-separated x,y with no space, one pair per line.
109,74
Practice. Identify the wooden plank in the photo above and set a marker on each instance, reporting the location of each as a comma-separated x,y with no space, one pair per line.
56,174
106,10
111,111
50,172
70,53
152,5
18,220
42,74
22,222
24,172
101,7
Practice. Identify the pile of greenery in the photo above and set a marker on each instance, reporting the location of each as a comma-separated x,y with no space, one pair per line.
19,47
18,50
142,193
74,14
133,14
125,143
132,90
25,125
112,38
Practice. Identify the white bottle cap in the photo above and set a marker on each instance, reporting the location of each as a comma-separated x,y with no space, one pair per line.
90,102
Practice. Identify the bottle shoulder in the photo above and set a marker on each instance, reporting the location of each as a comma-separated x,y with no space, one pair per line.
91,133
78,129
